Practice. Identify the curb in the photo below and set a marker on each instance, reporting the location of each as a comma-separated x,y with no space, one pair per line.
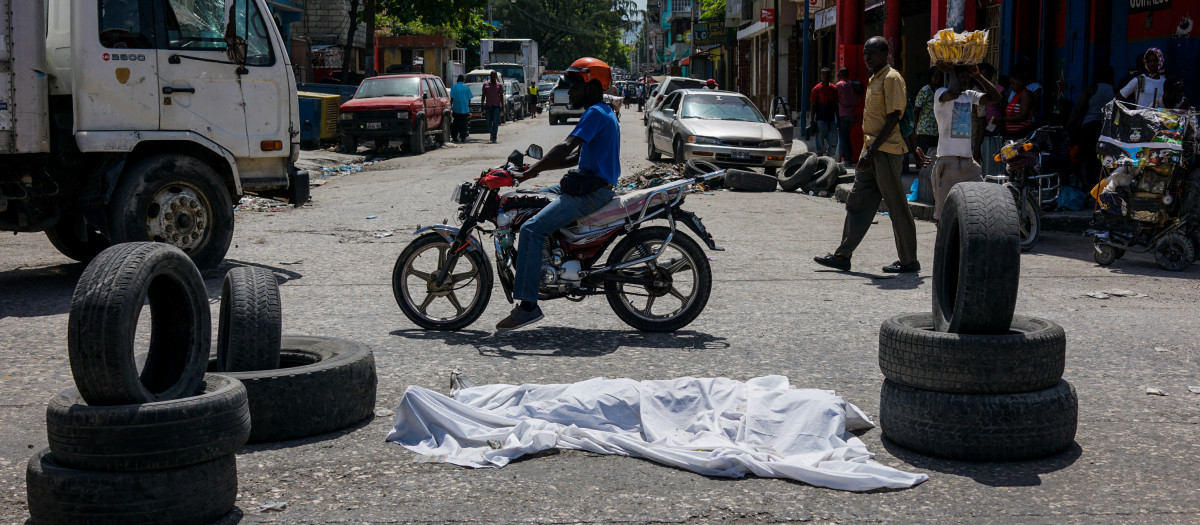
1061,221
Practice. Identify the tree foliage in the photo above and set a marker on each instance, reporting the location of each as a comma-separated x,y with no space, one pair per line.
568,29
432,12
712,9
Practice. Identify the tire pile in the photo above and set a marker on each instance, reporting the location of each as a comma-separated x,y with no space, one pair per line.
157,444
972,380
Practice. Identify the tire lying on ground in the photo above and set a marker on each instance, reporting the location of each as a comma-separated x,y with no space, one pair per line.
195,494
103,320
976,260
697,167
790,178
250,322
979,426
749,181
826,175
1031,356
323,384
149,436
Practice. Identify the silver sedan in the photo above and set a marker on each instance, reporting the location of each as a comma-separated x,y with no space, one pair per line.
722,127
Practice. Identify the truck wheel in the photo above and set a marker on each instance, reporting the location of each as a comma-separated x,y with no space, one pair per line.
416,141
65,239
444,136
178,200
349,145
380,145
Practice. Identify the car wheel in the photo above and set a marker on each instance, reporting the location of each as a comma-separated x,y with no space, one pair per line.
677,149
651,152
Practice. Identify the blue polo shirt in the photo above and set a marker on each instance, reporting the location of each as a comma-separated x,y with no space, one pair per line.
600,153
460,97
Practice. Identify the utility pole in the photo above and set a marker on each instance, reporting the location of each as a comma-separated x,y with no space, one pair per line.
369,14
775,44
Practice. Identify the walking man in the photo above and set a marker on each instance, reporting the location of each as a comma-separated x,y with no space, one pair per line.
953,108
493,103
460,107
878,174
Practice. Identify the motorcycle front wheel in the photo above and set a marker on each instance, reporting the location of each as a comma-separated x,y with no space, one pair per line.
1030,219
453,305
683,281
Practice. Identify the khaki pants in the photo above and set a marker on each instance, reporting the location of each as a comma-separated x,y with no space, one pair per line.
883,183
948,171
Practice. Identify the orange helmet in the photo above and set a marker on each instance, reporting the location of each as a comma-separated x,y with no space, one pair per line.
590,69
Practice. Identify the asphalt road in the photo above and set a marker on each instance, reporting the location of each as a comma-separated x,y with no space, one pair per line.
772,311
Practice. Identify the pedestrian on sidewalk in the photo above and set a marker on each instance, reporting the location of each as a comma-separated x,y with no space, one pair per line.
493,103
925,137
824,98
847,99
1018,114
641,97
460,108
954,108
1146,89
878,174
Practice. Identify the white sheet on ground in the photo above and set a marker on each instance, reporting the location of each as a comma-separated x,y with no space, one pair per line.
711,426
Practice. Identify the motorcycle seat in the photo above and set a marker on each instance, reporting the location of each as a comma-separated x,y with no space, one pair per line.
622,206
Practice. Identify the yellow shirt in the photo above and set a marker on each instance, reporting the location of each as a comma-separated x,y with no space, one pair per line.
886,93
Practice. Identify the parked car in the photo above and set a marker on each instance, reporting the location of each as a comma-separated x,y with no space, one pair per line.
515,106
544,89
406,108
722,127
666,87
478,119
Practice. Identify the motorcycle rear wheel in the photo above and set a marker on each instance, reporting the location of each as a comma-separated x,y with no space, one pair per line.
439,307
683,270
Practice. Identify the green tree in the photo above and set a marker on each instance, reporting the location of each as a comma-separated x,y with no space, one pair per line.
712,9
432,12
568,29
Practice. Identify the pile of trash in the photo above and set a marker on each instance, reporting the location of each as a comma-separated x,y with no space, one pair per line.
260,204
659,174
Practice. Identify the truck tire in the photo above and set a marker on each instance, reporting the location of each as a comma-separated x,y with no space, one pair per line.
443,136
250,325
103,320
749,181
1031,356
66,239
175,199
1001,427
322,385
416,141
195,494
349,144
976,260
149,436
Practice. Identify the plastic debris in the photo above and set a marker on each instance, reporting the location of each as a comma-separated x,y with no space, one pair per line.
272,506
495,444
290,263
458,381
372,216
260,204
1105,294
384,412
380,235
429,459
1194,389
1155,392
1161,349
1098,295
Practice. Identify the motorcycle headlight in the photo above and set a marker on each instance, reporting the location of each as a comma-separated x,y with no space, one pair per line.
454,195
703,140
346,116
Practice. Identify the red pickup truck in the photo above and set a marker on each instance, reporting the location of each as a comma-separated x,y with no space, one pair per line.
406,108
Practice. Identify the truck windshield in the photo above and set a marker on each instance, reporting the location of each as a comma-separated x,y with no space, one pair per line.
476,89
389,87
514,72
720,107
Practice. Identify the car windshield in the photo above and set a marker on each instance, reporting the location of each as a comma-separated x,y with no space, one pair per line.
719,107
389,87
476,89
681,83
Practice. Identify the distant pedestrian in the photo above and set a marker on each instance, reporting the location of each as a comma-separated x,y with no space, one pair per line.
878,174
847,99
641,96
925,135
493,103
710,84
1018,114
460,108
824,98
954,109
1146,89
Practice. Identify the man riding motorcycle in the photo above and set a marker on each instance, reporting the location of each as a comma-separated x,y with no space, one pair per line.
595,146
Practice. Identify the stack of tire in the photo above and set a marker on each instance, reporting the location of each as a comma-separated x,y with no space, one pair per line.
808,172
972,380
157,444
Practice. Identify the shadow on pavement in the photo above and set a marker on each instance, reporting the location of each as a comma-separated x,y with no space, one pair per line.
36,292
566,342
290,443
991,473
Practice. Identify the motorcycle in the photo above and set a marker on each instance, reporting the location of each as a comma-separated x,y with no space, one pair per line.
1032,167
656,278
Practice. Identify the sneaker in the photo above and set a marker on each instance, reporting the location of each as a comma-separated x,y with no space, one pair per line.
896,267
833,261
519,318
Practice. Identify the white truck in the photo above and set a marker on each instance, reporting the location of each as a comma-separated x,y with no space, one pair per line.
136,120
514,58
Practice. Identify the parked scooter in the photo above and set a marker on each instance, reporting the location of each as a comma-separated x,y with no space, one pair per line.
656,278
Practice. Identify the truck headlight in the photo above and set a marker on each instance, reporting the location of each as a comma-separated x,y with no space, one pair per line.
402,115
703,140
346,116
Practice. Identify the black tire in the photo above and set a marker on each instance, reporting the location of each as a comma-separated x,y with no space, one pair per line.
1106,254
790,179
1031,356
677,150
749,181
322,384
771,170
1174,252
652,154
104,314
980,427
1195,237
444,136
348,145
826,177
416,298
1029,221
149,436
697,167
380,145
976,260
66,240
195,494
416,141
250,322
691,290
175,199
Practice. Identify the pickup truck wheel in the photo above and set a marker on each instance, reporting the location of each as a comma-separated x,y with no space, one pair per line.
175,199
349,145
380,145
416,141
66,240
444,136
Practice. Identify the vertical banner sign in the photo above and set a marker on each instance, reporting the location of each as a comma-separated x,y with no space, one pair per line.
768,15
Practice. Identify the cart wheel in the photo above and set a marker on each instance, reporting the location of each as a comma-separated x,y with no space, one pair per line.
1174,252
1105,254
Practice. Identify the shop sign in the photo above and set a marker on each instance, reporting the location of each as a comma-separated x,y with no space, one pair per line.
707,32
768,15
825,18
1141,6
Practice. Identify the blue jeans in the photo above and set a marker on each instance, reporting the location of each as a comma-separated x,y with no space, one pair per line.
555,215
826,138
493,119
844,124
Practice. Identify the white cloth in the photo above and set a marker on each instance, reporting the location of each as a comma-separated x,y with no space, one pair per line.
711,426
1151,94
954,119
